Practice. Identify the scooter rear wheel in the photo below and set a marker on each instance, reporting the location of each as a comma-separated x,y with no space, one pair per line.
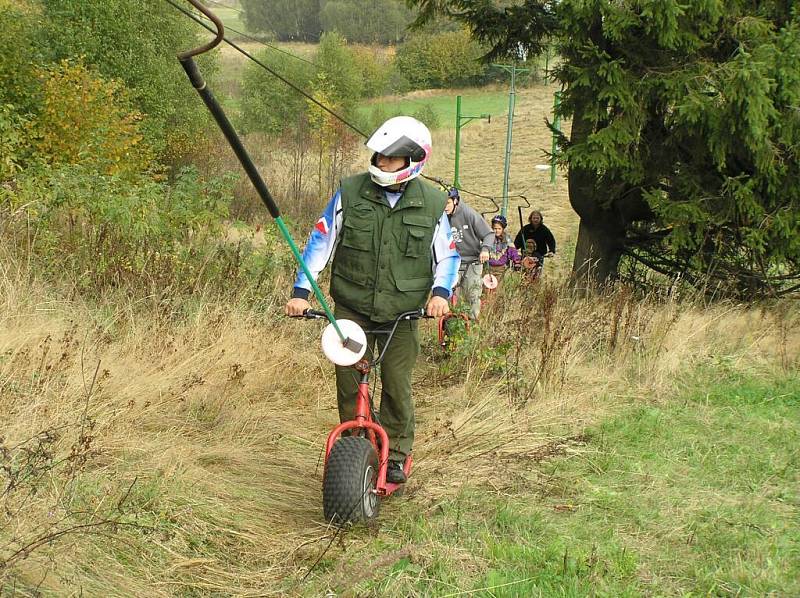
351,475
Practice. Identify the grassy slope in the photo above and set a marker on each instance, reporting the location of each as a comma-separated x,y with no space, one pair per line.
209,435
695,494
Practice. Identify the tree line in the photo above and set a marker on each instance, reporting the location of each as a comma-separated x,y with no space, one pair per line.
347,74
362,21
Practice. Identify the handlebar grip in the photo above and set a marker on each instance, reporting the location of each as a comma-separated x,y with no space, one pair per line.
312,314
417,314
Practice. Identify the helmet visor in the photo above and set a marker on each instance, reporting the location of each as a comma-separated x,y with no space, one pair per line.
402,148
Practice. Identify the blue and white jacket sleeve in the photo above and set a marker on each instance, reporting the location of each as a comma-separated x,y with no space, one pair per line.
446,259
320,245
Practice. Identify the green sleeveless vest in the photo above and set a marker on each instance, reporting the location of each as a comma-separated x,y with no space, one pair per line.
382,265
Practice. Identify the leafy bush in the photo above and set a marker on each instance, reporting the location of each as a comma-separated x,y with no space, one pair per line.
269,105
102,231
380,113
14,141
135,43
86,120
342,74
18,83
448,59
367,21
428,115
376,117
376,71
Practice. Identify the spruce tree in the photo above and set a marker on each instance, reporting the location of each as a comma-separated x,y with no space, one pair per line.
685,135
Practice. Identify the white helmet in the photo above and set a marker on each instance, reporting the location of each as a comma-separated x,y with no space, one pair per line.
401,136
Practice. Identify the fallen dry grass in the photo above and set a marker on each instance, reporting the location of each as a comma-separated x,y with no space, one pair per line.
194,450
190,451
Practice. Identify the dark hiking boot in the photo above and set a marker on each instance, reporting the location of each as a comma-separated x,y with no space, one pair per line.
395,473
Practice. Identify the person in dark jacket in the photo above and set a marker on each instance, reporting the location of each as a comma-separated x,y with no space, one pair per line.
537,232
391,250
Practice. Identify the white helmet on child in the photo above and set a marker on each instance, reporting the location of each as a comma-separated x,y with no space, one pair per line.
402,137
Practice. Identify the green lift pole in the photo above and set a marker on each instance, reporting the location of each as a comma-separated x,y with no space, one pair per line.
513,69
465,119
547,66
556,127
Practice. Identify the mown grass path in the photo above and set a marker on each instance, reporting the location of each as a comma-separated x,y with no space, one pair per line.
690,496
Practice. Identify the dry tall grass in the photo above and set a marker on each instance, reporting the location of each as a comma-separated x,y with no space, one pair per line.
148,457
144,459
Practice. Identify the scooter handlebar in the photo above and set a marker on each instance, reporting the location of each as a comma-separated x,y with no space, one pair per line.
416,314
312,314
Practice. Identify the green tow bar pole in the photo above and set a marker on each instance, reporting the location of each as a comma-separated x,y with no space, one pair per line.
462,120
513,69
189,65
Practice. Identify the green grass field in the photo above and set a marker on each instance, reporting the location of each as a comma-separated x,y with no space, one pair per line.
694,495
443,104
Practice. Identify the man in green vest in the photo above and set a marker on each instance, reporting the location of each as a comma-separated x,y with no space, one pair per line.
392,251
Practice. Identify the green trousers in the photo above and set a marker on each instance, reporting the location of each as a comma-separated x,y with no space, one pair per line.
396,413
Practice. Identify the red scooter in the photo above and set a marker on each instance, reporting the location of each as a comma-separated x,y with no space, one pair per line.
354,481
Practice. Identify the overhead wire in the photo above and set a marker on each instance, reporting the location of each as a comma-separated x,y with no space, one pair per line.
256,40
306,95
277,49
302,92
221,5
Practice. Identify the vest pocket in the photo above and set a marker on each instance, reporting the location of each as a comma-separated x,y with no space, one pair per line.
357,235
415,243
414,284
419,234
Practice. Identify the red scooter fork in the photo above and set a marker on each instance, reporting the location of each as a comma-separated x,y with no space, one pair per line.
363,420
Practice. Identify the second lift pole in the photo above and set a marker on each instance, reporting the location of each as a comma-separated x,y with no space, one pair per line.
513,69
462,120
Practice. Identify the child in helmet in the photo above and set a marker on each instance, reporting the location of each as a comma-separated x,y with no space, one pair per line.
502,253
531,262
391,250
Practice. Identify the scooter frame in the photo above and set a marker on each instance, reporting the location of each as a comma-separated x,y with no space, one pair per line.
364,421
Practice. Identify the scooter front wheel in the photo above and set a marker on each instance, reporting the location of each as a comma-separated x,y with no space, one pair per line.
351,476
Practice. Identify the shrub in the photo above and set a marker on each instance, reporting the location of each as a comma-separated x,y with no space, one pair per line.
135,43
86,120
269,105
343,77
428,115
101,231
375,69
18,83
14,141
448,59
378,115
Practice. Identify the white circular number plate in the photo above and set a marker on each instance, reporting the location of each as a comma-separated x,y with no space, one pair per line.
333,347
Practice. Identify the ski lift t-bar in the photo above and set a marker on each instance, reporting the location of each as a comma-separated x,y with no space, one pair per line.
187,62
